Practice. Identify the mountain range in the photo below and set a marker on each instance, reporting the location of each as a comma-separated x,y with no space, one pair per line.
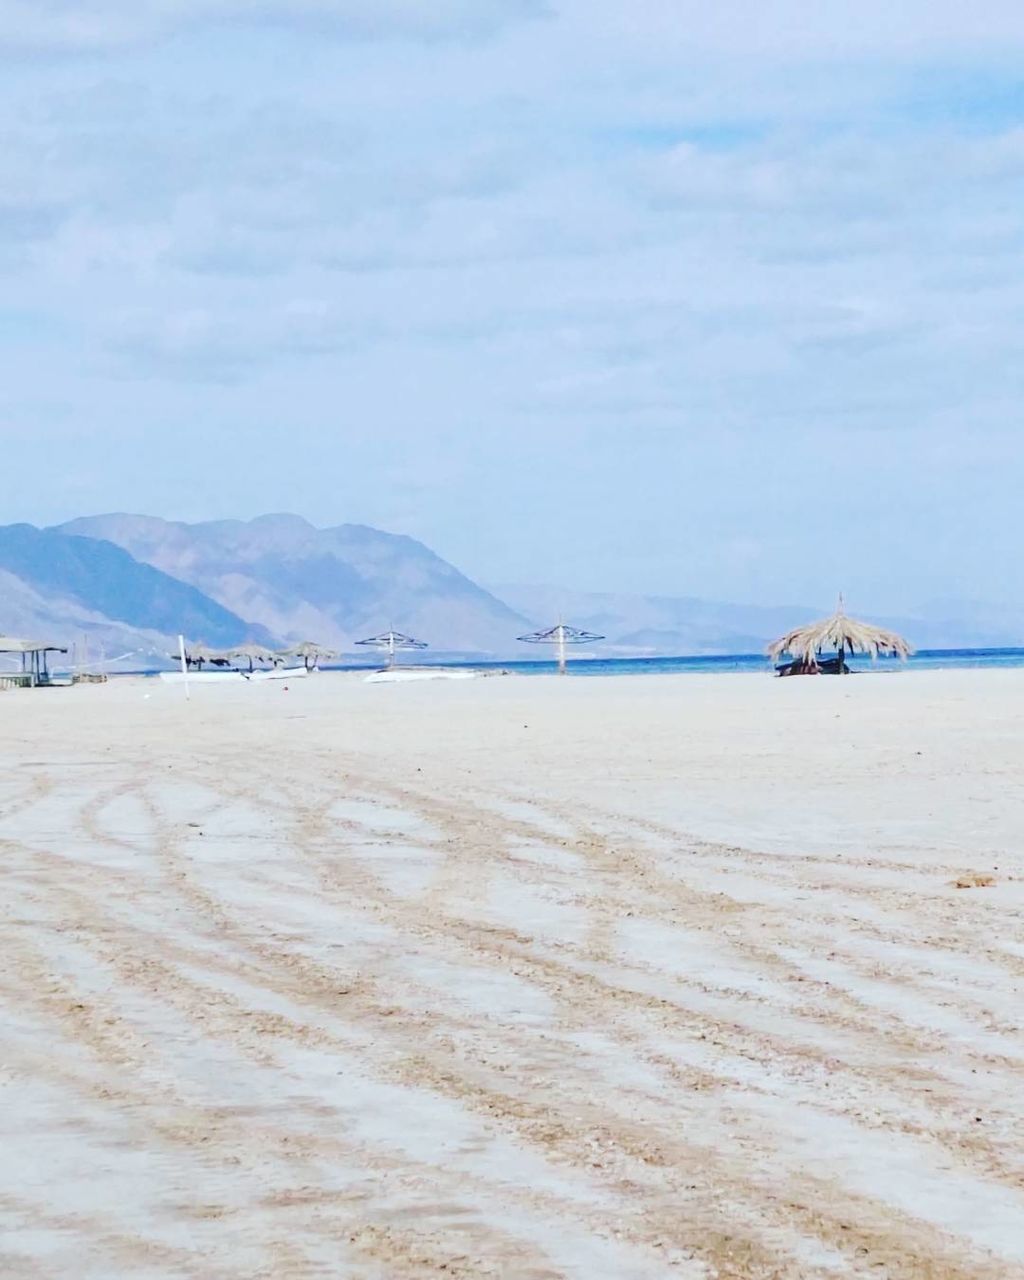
335,586
60,587
132,582
653,625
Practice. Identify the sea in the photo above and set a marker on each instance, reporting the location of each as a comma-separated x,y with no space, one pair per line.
704,664
924,660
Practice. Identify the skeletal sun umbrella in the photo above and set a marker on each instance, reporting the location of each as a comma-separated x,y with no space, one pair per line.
561,635
392,641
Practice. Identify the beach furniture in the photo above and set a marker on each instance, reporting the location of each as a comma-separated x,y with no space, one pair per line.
560,636
310,652
837,634
392,642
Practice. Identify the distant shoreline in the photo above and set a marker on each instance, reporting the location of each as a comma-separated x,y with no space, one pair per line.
693,664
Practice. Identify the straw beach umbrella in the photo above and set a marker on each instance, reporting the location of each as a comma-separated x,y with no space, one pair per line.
844,635
253,653
197,654
308,650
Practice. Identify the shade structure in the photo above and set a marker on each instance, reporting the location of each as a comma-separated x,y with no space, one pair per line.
33,656
392,642
840,634
11,644
198,654
252,653
561,635
309,651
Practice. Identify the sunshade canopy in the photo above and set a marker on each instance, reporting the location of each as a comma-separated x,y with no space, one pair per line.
10,644
842,635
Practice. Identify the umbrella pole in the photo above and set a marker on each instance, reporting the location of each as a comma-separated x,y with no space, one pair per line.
184,665
842,660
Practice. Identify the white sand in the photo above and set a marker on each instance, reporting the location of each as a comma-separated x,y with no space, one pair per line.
517,977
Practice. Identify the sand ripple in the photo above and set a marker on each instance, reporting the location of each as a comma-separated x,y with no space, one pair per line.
281,1008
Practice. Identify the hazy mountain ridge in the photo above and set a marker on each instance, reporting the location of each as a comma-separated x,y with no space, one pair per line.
637,625
57,586
335,585
27,614
132,582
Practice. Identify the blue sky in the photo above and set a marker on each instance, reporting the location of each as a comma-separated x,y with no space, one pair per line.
611,296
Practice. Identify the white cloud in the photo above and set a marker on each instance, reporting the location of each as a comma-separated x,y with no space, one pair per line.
71,26
793,31
693,265
204,345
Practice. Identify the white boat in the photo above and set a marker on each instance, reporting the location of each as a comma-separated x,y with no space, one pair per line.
233,677
203,677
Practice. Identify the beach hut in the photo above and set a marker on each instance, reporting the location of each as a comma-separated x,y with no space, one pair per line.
33,653
840,635
392,642
561,636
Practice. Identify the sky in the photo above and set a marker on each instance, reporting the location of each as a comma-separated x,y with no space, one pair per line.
715,300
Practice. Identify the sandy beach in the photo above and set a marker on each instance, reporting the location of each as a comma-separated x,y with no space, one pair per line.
518,977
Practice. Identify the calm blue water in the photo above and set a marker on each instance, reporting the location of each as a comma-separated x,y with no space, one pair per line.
927,658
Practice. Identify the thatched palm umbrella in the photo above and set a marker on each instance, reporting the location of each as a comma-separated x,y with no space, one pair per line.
253,653
845,635
309,650
197,654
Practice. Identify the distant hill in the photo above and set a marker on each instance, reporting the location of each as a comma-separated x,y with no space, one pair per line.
133,582
637,626
56,586
30,615
674,625
335,585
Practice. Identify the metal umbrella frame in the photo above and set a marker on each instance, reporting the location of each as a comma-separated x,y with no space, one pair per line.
561,636
392,642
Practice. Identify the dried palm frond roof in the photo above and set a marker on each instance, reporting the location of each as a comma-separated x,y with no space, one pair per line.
196,653
308,649
258,651
841,634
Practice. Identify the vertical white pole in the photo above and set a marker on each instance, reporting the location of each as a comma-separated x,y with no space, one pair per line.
391,649
184,665
561,650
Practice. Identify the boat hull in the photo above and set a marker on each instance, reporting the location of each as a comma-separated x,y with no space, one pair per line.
233,677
